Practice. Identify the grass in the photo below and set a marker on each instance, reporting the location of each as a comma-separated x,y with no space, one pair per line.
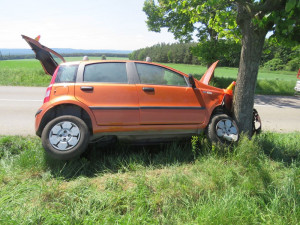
255,182
229,72
30,73
23,73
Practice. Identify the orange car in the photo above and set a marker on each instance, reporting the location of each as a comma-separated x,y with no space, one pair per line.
144,102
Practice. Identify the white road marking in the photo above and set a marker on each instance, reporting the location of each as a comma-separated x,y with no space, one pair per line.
19,100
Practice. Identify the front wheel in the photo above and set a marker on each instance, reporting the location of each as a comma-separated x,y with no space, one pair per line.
222,129
65,137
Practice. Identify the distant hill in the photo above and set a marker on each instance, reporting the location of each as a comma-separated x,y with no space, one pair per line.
20,51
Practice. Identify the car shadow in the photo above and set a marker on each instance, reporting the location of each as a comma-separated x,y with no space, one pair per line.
121,158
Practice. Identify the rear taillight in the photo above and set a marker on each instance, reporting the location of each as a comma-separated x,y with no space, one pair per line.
48,91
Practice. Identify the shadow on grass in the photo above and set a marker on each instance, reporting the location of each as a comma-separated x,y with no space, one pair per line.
284,150
121,158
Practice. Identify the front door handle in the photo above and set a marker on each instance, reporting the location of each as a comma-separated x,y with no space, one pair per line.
148,89
87,88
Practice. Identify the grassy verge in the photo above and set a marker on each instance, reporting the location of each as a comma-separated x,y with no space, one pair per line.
252,183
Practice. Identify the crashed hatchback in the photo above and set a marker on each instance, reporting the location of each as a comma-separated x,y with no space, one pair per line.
141,102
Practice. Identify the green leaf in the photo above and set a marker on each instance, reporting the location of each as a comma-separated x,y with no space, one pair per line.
290,28
290,5
198,9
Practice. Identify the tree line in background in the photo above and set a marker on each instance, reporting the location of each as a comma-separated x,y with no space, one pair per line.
32,56
274,57
167,53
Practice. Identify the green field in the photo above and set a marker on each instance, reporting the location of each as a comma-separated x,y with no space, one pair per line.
30,73
256,182
232,72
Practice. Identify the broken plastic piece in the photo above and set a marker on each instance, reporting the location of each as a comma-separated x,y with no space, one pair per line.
38,38
230,87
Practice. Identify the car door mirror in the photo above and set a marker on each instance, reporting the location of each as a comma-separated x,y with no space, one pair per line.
192,81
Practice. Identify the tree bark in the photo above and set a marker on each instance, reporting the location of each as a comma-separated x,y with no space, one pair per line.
253,39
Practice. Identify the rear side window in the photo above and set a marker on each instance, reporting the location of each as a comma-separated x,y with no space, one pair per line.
106,73
66,73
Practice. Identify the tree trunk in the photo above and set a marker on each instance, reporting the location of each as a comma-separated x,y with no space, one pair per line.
252,45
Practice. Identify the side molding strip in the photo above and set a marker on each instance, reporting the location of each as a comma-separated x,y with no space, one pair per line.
145,107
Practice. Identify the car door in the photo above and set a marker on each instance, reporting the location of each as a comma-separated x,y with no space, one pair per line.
105,88
47,57
166,98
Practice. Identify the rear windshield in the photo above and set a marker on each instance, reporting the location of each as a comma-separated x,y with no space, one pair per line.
66,73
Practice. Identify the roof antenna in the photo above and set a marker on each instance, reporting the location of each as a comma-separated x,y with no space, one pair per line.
85,58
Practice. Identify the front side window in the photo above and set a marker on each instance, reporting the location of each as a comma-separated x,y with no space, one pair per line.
106,73
66,74
151,74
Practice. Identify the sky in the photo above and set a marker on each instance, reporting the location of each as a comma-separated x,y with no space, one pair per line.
78,24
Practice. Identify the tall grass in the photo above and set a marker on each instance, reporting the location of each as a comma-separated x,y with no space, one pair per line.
254,182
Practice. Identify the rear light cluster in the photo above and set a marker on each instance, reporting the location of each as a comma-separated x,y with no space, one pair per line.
48,91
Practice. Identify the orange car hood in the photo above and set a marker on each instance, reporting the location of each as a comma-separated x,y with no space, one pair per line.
209,72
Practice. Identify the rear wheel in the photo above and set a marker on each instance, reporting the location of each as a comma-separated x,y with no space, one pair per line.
222,129
65,137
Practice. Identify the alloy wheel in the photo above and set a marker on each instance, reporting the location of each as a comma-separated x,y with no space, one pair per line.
64,135
227,130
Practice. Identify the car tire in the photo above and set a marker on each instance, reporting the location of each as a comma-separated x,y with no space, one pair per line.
65,137
222,129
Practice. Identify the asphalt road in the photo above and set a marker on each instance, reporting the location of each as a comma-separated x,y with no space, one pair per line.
18,106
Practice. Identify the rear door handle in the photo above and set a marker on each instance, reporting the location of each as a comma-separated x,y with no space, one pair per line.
87,88
148,89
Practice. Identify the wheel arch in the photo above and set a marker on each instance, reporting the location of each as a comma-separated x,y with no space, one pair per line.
220,109
63,110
